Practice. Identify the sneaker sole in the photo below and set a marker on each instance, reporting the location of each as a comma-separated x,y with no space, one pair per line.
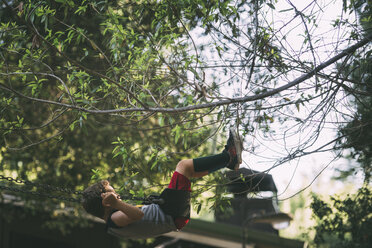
238,146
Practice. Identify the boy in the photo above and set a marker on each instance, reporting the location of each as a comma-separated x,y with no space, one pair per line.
128,221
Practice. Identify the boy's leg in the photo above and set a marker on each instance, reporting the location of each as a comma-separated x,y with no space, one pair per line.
211,163
186,168
199,167
230,158
180,182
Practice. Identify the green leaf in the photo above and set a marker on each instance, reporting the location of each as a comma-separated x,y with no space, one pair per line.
177,133
285,10
161,120
271,5
298,106
199,208
154,164
72,126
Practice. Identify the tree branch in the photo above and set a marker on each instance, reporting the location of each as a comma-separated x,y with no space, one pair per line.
250,98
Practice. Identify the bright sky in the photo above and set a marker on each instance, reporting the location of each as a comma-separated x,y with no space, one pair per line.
294,176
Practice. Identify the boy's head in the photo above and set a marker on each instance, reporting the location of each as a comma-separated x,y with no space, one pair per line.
92,200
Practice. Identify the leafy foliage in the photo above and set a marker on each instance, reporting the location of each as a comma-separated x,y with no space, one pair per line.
356,134
344,222
93,55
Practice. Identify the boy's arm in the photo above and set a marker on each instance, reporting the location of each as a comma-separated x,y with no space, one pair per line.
127,213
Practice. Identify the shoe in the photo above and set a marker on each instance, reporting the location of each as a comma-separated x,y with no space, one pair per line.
234,148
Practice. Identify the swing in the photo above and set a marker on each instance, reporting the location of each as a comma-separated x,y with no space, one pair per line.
43,193
176,202
173,202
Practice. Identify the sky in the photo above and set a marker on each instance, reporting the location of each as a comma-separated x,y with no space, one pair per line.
296,175
313,171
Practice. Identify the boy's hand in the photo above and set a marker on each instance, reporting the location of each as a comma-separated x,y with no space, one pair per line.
109,199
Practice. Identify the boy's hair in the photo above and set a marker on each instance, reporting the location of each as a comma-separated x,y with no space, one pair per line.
92,200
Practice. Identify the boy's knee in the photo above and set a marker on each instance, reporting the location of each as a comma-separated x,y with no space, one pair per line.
185,167
181,165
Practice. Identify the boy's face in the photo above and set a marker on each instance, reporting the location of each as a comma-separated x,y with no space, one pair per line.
108,187
109,196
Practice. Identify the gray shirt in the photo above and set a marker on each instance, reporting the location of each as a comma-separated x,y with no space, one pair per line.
154,223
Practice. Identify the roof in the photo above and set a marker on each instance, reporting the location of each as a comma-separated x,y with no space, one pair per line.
225,235
246,180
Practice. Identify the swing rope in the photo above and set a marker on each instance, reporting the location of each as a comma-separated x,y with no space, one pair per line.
49,188
45,189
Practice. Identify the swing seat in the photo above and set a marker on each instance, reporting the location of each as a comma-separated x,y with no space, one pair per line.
156,199
176,203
